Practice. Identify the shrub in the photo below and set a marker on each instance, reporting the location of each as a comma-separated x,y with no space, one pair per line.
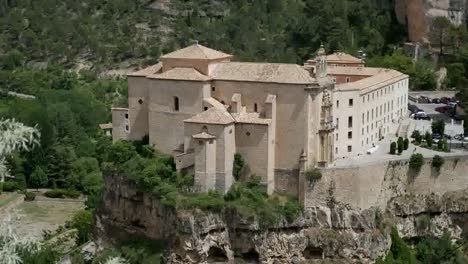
393,147
313,175
437,162
38,178
405,144
238,166
428,138
438,127
416,161
61,193
29,196
82,221
10,186
400,145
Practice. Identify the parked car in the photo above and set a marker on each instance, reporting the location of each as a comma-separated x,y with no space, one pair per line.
442,109
421,116
459,137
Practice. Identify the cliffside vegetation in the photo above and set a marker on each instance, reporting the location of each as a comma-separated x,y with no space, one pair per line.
156,173
425,251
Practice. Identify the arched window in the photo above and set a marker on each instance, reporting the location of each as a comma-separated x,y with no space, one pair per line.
176,103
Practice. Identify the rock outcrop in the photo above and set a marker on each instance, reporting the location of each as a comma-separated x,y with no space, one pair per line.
417,15
336,232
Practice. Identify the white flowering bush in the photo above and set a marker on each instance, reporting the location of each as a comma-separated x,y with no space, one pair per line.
116,260
12,246
15,136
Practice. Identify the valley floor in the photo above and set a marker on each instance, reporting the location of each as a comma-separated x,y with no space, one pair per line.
32,218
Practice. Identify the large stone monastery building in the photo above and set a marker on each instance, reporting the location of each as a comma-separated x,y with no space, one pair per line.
203,108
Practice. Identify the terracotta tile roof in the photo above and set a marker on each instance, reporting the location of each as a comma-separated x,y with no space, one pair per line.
153,69
212,116
385,77
342,57
196,52
203,135
261,72
250,118
365,71
184,74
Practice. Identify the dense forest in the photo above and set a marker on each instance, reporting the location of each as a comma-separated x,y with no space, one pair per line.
107,33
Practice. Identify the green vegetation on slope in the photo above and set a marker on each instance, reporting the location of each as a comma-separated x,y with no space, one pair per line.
107,33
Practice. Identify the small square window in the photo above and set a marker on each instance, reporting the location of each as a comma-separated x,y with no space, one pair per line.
126,115
213,88
350,148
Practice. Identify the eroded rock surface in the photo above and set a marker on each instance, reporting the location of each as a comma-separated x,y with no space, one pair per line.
335,232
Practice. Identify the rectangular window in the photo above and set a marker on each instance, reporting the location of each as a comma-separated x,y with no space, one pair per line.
362,131
363,99
336,137
337,103
350,121
126,115
336,150
350,134
126,128
367,116
363,118
350,148
337,123
351,102
348,79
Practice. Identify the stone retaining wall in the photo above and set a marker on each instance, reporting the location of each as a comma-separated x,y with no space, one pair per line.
375,184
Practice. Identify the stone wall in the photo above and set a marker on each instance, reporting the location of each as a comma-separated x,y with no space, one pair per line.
375,184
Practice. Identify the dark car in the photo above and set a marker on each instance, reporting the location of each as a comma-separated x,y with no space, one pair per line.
421,116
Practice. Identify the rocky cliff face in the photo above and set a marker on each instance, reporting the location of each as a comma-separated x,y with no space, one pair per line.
417,15
336,232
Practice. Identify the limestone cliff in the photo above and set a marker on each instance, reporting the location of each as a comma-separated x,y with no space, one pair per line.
336,231
417,15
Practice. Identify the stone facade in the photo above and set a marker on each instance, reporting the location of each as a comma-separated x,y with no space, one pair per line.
202,108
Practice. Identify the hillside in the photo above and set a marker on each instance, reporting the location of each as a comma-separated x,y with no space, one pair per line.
102,35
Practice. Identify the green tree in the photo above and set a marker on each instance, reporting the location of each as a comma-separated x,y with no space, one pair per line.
416,161
437,162
238,166
38,178
438,127
393,147
121,151
405,144
82,221
428,138
400,145
439,34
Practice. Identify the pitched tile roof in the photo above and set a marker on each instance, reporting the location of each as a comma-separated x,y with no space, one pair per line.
261,72
183,74
213,115
343,57
197,52
386,77
250,118
363,71
153,69
203,135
